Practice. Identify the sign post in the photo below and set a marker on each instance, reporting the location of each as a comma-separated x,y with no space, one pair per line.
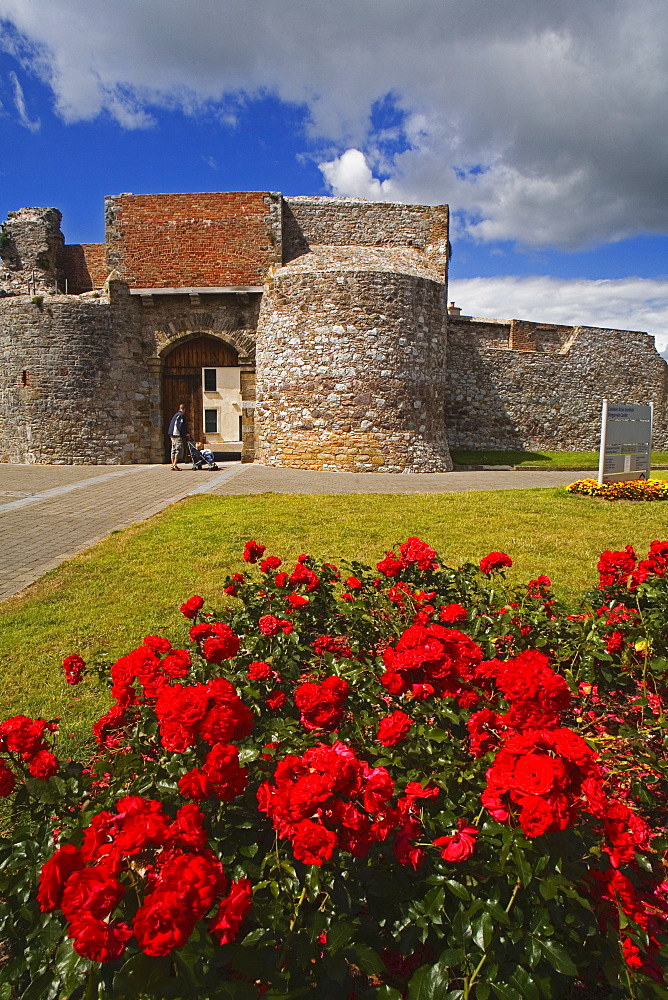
626,442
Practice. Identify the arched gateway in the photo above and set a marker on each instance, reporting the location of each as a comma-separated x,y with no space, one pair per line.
204,373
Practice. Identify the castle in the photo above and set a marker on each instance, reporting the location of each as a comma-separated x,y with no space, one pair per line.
303,332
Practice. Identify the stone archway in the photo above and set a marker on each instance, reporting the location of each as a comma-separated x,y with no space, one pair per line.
204,373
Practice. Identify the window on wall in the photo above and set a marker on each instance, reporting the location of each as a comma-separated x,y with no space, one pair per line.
209,379
211,421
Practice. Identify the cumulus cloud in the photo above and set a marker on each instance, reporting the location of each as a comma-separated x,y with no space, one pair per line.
32,124
621,304
543,122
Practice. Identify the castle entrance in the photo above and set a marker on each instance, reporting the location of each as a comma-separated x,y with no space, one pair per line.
204,374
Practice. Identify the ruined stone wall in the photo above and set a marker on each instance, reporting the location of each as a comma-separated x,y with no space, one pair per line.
348,222
30,247
548,399
193,240
351,372
76,386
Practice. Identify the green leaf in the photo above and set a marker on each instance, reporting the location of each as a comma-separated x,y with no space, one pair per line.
457,889
505,992
338,935
368,960
388,993
558,957
482,931
428,983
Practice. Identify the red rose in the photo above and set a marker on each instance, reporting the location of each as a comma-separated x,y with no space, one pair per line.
296,600
275,700
187,830
253,551
97,940
453,613
536,816
157,643
54,875
93,891
7,780
192,606
177,663
222,645
270,563
164,922
494,562
194,784
23,736
390,565
74,668
460,845
313,843
258,670
225,925
394,728
44,765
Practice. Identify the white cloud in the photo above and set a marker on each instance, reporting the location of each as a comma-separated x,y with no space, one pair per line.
543,121
33,125
622,304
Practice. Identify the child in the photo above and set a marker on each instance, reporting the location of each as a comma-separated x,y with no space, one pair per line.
203,447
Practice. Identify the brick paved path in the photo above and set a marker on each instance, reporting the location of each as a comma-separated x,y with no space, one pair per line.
49,513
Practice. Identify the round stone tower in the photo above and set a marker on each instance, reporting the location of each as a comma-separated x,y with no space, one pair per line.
351,347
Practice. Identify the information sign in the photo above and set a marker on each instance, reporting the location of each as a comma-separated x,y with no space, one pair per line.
626,442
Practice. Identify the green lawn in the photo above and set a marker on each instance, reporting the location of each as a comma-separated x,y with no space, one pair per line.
104,601
547,459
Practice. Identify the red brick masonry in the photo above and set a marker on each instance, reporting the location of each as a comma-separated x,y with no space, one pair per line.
191,240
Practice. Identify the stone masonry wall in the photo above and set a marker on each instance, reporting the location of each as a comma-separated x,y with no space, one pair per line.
351,372
350,222
193,240
548,399
30,247
75,383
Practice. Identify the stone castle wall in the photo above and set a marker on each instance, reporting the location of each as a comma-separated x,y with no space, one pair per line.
308,222
351,372
354,369
548,396
75,385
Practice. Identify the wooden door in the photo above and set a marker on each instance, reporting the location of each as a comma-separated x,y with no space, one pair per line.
182,380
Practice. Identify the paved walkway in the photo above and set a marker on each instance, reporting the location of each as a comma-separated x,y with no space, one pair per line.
49,513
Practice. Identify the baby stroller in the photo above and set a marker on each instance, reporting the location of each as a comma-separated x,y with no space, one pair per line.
199,461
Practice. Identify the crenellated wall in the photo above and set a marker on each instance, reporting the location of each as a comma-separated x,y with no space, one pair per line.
547,395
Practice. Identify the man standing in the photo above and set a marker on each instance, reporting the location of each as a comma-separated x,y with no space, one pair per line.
178,431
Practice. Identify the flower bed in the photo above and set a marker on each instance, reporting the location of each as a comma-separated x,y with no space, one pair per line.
406,781
635,489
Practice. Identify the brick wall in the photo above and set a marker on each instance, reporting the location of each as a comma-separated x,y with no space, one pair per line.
84,265
193,240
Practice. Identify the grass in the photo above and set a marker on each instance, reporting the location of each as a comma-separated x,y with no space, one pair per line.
548,459
104,601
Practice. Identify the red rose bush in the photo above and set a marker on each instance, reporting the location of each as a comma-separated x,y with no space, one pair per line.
404,780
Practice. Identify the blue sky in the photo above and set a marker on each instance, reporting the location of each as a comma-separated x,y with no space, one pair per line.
544,127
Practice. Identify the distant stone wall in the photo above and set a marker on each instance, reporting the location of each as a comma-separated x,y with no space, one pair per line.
348,222
193,240
351,372
551,399
75,383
